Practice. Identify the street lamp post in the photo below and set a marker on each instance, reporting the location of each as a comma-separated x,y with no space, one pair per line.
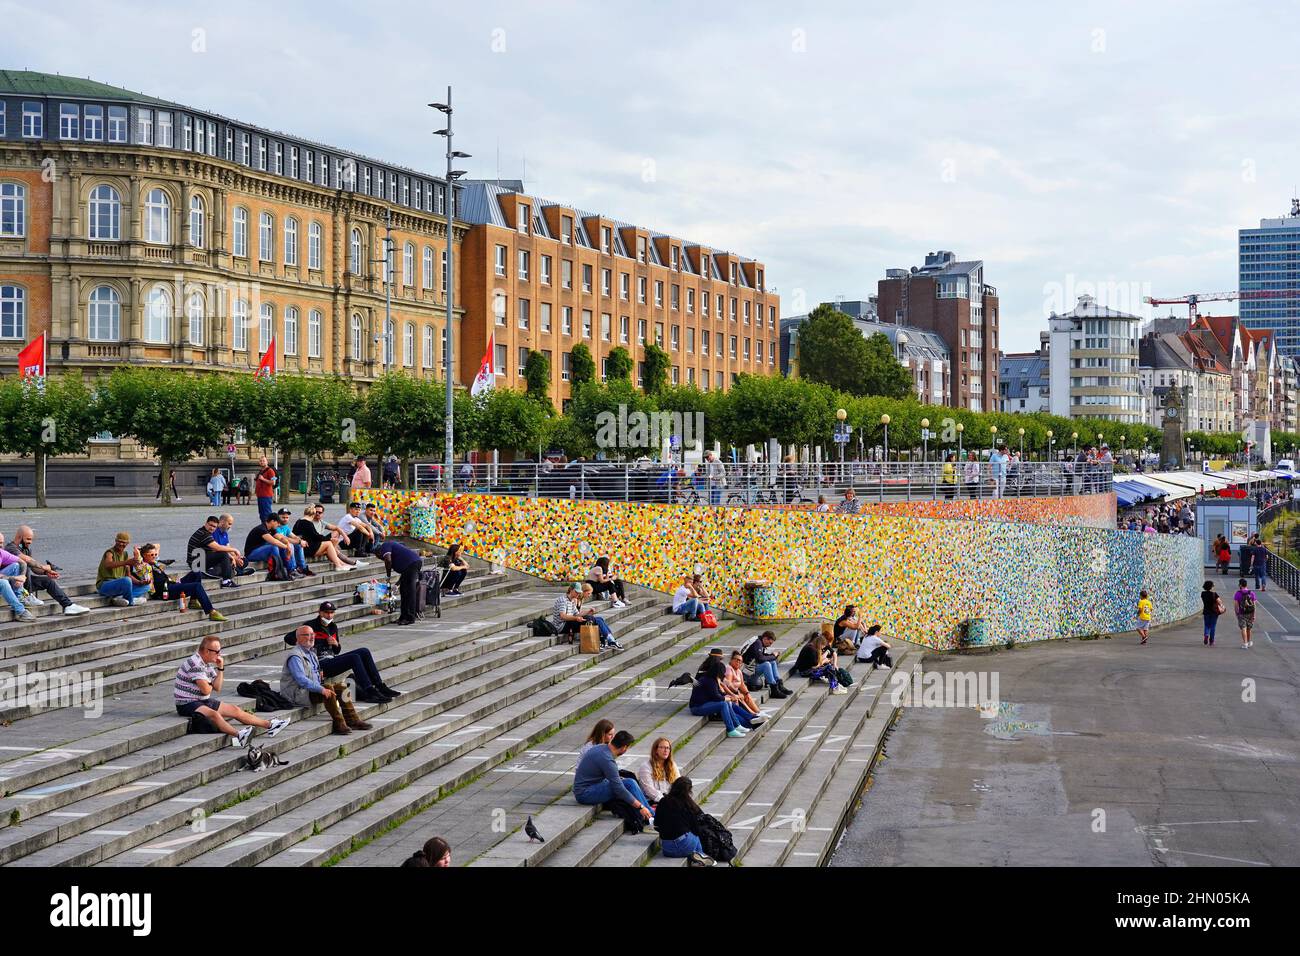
993,438
840,415
925,440
387,260
960,429
448,284
1050,442
884,420
1074,443
1021,431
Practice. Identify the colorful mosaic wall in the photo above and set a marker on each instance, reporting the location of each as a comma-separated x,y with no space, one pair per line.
919,578
392,507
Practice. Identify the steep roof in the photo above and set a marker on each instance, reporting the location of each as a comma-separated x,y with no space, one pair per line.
1222,327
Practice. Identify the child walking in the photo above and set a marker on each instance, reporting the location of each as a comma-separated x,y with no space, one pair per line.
1144,616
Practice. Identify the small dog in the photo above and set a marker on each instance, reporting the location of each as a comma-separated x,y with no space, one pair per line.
258,759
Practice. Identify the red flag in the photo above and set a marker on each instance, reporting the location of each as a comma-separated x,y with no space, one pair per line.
485,380
31,360
267,368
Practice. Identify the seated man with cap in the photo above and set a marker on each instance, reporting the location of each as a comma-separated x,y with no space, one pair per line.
296,559
371,688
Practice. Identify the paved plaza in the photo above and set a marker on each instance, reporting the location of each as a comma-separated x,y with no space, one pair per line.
1158,738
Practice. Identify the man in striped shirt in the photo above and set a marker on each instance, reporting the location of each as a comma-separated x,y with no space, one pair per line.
199,678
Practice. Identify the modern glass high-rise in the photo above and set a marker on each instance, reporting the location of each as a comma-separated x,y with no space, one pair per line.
1268,260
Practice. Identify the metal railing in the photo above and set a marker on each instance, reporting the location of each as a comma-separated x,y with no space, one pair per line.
775,485
1284,573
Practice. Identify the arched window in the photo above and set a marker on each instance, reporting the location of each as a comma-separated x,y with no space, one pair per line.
266,238
105,214
428,346
13,312
358,341
290,331
408,264
314,322
291,242
158,315
239,325
390,345
408,345
428,269
13,210
158,218
105,315
354,260
313,246
240,233
195,311
196,222
266,327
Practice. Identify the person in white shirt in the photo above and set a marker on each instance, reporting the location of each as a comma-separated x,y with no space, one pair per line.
357,531
873,650
657,773
716,473
685,602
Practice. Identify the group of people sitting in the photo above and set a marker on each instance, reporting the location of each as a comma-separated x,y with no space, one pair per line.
568,616
655,793
692,597
22,575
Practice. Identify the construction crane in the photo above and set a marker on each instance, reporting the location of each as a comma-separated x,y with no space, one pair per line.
1192,300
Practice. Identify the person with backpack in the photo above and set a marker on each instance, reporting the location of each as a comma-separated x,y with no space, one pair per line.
676,819
596,779
1244,599
1211,608
817,664
758,655
1144,615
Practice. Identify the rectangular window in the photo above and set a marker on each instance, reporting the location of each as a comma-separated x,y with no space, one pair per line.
521,215
309,163
704,343
544,316
624,284
704,304
690,301
605,321
659,294
640,331
690,340
406,191
566,319
500,306
546,270
164,129
746,350
117,124
606,239
2,117
733,310
586,323
732,352
230,144
676,374
69,121
501,260
500,362
523,360
566,274
747,313
566,230
187,132
718,350
261,153
566,364
523,263
143,128
606,282
212,138
659,334
640,248
676,297
279,159
640,289
293,162
94,124
676,337
525,313
245,149
586,278
200,141
758,345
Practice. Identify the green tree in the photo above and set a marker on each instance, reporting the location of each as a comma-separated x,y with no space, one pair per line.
177,414
793,411
657,364
594,416
833,352
618,365
537,376
883,375
582,366
405,415
510,421
58,419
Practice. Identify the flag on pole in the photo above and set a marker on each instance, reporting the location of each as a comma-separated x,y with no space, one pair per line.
266,370
31,361
485,380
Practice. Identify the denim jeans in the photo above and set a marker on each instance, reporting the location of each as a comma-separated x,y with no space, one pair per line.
10,598
683,846
768,670
603,792
265,552
265,508
1211,622
722,707
123,588
215,498
191,584
359,662
694,607
825,672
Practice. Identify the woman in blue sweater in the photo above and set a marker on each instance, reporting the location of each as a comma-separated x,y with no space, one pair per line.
708,698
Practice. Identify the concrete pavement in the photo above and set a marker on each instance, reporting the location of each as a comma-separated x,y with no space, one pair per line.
1103,753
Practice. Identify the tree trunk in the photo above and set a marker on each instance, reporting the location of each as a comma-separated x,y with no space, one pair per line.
307,493
40,478
282,495
165,477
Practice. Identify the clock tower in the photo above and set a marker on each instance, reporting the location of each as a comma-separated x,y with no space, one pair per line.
1173,416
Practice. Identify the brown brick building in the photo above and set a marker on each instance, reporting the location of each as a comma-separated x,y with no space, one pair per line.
540,275
949,297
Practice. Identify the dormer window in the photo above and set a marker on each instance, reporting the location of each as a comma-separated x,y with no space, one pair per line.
606,239
566,230
522,218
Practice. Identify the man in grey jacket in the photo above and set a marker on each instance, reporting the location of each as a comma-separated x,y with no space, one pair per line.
303,682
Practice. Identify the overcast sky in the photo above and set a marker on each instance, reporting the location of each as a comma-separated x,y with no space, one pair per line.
1118,146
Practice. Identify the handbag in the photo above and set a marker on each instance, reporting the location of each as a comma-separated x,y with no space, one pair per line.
589,639
844,677
1218,606
707,619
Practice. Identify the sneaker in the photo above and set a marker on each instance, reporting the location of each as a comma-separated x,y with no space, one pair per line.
839,690
735,732
216,616
229,583
277,724
242,737
757,719
25,617
615,644
308,573
620,604
119,602
74,609
699,859
31,600
361,564
245,570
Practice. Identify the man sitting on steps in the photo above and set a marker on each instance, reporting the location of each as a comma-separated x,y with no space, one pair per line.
199,678
302,681
41,575
334,662
596,779
209,550
263,544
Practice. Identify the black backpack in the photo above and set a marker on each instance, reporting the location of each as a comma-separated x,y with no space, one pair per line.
1247,604
715,839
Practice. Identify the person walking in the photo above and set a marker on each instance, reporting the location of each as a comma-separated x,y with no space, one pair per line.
1244,599
1259,564
1211,608
361,479
998,468
1144,616
216,487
